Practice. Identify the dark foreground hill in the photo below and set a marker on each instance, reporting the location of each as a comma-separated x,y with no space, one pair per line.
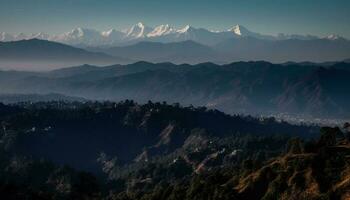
88,129
161,151
308,90
306,171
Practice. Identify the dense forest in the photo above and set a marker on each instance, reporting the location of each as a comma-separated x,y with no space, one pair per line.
108,150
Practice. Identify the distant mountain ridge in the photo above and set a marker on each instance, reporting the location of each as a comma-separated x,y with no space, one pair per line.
165,43
162,33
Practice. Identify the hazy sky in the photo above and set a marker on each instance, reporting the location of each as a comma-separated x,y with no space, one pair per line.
317,17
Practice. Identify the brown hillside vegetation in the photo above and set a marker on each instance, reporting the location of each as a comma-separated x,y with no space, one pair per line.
319,170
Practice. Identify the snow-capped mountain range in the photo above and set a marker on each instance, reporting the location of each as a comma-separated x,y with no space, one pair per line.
162,33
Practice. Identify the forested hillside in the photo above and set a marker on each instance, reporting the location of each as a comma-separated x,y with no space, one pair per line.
126,150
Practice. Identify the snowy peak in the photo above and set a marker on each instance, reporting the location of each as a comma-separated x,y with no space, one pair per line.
161,30
77,32
139,30
185,29
5,37
41,35
240,30
108,33
112,33
81,32
236,30
140,25
80,36
334,37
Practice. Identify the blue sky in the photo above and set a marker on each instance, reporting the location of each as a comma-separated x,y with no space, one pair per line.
317,17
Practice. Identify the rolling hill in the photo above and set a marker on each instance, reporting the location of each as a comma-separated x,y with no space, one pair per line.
243,87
